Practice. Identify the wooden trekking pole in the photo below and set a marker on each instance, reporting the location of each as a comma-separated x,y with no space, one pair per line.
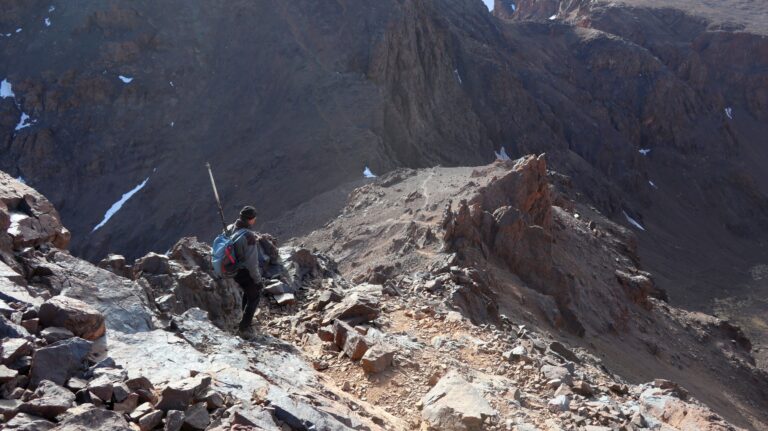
216,195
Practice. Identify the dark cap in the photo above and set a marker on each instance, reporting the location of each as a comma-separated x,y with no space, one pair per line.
247,213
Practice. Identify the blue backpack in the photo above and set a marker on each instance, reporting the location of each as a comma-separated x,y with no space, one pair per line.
223,256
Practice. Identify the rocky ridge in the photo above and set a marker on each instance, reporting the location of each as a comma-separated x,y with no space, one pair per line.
385,351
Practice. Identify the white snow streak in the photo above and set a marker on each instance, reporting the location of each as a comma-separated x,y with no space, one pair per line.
52,8
632,221
24,122
458,76
553,17
367,173
18,30
653,184
644,151
119,204
6,89
501,155
47,22
729,112
125,79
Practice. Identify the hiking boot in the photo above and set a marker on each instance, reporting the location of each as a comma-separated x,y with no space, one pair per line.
247,333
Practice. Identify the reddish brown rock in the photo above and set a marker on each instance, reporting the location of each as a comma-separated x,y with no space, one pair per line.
75,315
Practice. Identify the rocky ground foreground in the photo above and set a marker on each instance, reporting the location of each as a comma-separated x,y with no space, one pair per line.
460,301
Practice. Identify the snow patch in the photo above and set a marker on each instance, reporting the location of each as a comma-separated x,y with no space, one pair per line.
653,184
513,7
632,221
18,30
21,179
553,17
644,151
6,89
47,22
52,8
171,82
125,79
24,122
729,113
173,123
502,155
367,173
458,76
119,204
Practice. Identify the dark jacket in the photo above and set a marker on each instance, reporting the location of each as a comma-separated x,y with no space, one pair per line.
246,249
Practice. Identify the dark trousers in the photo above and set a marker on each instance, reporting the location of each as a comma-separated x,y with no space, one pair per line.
251,296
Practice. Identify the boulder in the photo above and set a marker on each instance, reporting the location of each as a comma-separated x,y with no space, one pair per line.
7,374
83,320
13,349
454,404
152,263
178,395
27,422
94,419
196,417
59,361
553,372
354,309
102,387
174,420
564,352
356,345
378,358
10,329
151,420
50,401
9,408
559,404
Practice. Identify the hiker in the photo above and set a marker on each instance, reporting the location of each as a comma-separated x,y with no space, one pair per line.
248,275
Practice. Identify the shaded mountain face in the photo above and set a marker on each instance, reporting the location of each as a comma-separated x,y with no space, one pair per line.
656,111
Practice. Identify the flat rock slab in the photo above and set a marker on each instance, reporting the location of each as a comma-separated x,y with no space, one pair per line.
59,361
94,419
52,400
355,308
454,404
83,320
27,422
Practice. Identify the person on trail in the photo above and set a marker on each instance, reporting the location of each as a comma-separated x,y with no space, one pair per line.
248,274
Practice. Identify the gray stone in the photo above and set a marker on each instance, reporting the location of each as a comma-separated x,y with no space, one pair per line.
83,320
13,349
50,401
142,410
102,387
354,309
120,392
196,417
151,420
7,374
559,404
563,352
128,404
378,358
552,372
178,395
355,346
213,399
10,329
9,408
55,334
27,422
94,419
174,420
455,404
59,361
